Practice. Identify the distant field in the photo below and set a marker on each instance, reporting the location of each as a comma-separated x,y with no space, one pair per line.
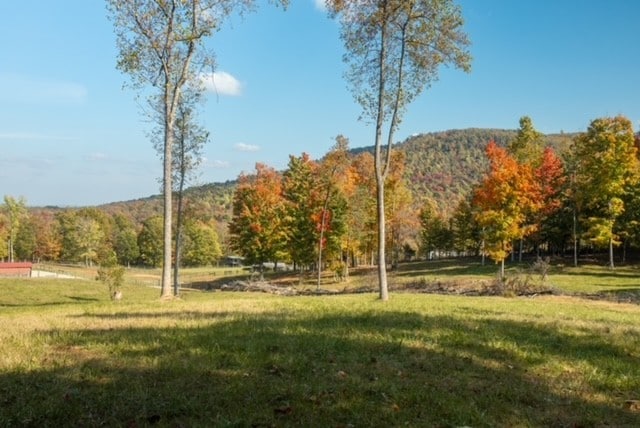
71,357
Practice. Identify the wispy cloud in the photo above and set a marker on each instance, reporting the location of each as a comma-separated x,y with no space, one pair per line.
31,136
242,147
28,89
97,157
222,83
218,164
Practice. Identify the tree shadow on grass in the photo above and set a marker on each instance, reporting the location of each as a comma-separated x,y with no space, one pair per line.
445,268
339,369
72,300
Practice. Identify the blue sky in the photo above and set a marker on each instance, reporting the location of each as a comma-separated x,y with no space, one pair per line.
70,135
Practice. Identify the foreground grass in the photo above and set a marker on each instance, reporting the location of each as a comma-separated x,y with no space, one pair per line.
71,357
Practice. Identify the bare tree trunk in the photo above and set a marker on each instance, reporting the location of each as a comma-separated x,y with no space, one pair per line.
178,243
179,220
382,264
165,286
322,226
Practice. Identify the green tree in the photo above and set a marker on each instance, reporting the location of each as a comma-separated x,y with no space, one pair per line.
466,232
150,241
394,49
434,232
85,235
528,144
125,241
89,237
162,44
606,169
303,202
16,211
4,235
26,240
201,246
112,275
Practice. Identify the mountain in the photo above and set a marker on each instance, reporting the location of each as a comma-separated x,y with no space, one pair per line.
443,166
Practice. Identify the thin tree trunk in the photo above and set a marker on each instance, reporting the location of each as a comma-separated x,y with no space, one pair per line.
520,251
611,264
322,226
380,171
382,264
575,240
179,220
178,243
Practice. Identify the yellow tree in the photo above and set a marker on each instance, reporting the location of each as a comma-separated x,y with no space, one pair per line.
401,217
606,164
334,181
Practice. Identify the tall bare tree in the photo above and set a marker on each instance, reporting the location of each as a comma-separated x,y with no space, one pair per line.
162,44
393,51
189,141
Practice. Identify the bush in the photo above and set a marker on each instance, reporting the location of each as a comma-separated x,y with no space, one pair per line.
111,274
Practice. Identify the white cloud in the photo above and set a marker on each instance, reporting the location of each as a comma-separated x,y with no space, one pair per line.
320,5
242,147
28,89
222,83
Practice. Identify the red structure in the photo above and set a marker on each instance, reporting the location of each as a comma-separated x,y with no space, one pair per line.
16,269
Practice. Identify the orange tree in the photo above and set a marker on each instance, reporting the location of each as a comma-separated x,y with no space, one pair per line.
507,193
256,230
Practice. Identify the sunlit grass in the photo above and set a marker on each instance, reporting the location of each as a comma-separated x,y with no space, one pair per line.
69,356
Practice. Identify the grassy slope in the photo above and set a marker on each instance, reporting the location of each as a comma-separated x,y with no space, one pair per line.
70,357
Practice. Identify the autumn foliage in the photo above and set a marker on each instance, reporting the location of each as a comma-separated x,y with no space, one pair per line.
507,195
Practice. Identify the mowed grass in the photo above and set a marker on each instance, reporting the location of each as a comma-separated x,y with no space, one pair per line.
71,357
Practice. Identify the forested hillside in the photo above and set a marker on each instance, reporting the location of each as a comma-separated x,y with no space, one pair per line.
442,166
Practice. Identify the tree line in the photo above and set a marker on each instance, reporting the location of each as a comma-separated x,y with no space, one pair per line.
92,236
532,198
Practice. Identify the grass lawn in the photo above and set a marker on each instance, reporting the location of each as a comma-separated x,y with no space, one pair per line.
71,357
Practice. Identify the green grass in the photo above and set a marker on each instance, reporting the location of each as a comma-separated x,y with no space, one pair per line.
71,357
